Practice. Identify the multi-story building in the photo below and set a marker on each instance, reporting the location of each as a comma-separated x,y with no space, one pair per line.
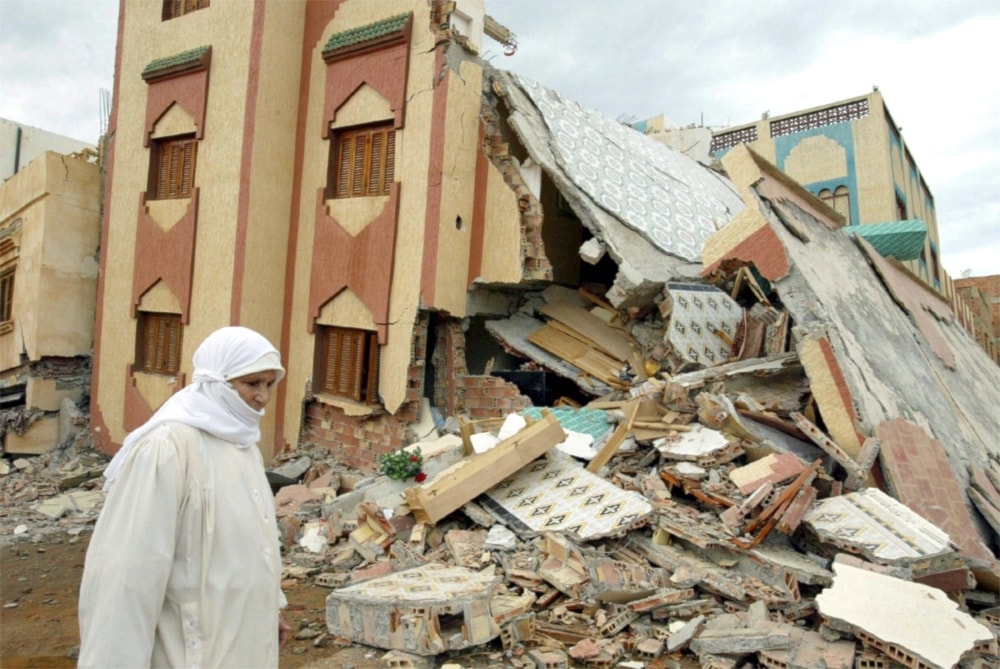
20,144
981,296
351,179
50,227
852,154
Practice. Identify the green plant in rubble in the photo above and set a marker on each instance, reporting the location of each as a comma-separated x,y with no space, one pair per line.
402,465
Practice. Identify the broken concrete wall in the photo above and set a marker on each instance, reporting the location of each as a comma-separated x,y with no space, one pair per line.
49,238
867,361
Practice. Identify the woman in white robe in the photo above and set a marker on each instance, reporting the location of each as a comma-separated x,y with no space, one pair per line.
184,566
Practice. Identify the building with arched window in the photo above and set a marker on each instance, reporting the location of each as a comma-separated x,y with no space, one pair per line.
852,155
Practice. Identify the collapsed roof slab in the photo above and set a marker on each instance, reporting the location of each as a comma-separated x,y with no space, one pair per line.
863,350
914,624
650,206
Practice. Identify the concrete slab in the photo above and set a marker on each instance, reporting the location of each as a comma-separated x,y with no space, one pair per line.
872,524
914,624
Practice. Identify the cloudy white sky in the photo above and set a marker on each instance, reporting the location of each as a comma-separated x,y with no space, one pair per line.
718,62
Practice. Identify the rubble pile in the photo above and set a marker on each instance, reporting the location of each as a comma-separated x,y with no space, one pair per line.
51,494
697,540
766,468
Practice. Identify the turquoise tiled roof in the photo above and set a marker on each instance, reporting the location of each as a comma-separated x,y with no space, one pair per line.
182,58
586,421
366,33
902,240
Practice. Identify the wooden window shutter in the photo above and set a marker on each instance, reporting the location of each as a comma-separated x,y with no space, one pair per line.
390,162
343,188
375,167
175,162
365,162
159,343
358,164
6,295
346,364
371,394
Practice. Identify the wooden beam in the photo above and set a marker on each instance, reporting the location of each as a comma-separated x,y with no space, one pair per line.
432,501
615,441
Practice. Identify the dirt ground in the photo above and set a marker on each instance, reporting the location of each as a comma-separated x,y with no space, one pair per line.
38,622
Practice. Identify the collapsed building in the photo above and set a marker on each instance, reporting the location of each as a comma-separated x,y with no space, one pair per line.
712,516
443,241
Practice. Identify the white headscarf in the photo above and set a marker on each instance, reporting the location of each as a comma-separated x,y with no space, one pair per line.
209,402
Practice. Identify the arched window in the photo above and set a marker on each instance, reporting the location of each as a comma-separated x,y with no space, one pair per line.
839,199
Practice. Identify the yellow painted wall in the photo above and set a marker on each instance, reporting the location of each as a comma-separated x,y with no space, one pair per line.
502,261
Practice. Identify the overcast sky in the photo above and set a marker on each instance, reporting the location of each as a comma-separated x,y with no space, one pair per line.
717,63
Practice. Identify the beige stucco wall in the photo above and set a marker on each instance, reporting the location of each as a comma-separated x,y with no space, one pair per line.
458,183
502,262
227,27
55,203
412,155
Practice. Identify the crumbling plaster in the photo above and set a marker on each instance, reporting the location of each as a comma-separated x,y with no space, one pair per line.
832,292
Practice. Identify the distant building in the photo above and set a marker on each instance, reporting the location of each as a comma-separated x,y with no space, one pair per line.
852,155
20,144
981,295
49,235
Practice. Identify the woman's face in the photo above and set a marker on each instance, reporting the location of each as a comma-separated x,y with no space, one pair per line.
255,389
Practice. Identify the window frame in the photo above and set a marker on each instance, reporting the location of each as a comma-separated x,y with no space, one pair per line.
368,174
838,199
346,363
173,162
7,298
173,9
158,343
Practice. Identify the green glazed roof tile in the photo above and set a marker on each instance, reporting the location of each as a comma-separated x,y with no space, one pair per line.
902,240
366,33
169,62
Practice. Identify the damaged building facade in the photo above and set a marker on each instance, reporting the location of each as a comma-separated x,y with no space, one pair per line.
425,198
774,414
852,154
49,237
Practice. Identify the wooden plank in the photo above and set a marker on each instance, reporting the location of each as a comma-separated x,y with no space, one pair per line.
577,353
432,501
616,439
612,341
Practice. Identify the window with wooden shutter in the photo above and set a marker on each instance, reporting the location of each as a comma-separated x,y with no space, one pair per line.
362,162
173,165
347,363
6,296
174,8
158,348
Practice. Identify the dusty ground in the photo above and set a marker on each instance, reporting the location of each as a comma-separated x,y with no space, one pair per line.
38,623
